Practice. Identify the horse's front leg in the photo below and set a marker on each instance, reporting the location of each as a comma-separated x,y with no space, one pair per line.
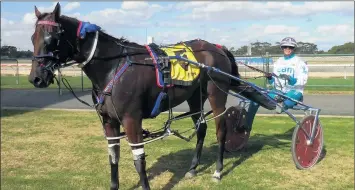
133,129
112,130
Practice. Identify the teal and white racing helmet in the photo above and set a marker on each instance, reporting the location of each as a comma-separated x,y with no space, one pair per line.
288,42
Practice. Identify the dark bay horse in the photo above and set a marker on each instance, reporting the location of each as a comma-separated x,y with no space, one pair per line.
56,41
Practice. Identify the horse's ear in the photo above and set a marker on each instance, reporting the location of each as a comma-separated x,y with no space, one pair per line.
37,12
57,11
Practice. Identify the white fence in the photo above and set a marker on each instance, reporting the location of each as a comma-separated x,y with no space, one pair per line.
315,70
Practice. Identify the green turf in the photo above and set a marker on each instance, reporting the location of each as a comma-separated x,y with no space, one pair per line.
314,84
40,151
321,84
10,82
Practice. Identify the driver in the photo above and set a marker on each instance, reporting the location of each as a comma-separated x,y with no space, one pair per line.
292,75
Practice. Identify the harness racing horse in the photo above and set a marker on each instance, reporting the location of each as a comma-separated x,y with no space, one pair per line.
121,66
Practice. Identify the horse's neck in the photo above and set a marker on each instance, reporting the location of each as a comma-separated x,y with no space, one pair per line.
100,72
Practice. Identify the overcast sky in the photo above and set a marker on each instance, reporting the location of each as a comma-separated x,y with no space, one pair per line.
232,24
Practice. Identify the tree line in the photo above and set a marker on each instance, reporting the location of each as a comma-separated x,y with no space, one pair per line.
261,48
257,49
12,52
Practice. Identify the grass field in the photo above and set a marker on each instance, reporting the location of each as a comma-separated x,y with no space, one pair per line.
40,151
340,85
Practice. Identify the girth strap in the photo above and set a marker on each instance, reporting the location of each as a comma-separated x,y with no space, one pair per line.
157,107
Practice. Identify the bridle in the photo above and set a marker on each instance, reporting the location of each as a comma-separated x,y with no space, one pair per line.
52,59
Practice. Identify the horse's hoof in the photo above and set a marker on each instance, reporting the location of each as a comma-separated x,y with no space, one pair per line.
216,179
190,174
114,187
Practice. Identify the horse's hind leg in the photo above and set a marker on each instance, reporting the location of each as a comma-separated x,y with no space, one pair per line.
195,106
218,100
112,129
134,134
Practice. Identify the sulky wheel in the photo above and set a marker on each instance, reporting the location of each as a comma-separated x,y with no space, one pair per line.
306,155
237,135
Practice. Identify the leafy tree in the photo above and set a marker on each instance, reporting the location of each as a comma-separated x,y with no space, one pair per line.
241,51
342,49
260,48
306,48
9,51
12,52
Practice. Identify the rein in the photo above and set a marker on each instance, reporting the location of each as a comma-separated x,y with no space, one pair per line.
54,60
266,74
55,63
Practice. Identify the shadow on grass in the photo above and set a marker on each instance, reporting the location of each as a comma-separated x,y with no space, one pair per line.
41,98
179,162
8,113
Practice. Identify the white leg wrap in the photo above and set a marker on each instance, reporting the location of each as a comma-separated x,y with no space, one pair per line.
112,152
137,152
217,175
112,145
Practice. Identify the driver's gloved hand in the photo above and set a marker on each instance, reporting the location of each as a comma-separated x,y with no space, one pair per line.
269,78
284,76
292,81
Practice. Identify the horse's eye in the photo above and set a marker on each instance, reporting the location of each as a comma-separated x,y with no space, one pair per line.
47,38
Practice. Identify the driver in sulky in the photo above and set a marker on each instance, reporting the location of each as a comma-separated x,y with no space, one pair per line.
291,77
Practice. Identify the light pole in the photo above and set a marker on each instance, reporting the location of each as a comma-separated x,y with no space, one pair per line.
204,31
146,34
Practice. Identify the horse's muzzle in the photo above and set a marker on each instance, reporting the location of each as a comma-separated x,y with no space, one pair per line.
39,83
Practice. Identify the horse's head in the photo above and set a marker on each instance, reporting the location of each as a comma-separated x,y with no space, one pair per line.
52,46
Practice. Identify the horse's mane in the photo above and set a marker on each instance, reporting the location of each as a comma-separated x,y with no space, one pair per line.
74,21
102,31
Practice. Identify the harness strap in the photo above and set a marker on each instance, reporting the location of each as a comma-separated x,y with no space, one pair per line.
93,49
160,82
156,109
48,22
109,86
79,28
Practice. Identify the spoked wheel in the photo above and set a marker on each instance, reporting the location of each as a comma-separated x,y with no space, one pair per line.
237,135
304,154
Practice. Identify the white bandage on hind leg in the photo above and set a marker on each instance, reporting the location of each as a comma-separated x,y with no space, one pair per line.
137,153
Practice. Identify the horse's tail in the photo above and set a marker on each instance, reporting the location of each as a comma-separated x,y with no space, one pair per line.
243,89
234,66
